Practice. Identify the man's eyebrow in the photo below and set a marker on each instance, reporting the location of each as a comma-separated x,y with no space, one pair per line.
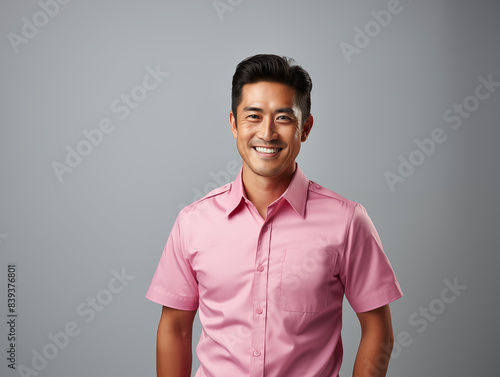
251,108
287,110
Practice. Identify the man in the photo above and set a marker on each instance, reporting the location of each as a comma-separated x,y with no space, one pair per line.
268,258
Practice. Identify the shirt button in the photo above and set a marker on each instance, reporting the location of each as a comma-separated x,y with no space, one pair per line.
259,310
264,229
256,353
260,268
318,187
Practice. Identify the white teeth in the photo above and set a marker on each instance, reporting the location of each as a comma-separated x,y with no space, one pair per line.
267,150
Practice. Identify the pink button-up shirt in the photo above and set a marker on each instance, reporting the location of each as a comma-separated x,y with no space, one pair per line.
269,292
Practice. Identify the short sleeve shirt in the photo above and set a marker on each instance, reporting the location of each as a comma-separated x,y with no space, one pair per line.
269,291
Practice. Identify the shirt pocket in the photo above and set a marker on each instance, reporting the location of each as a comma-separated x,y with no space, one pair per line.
305,279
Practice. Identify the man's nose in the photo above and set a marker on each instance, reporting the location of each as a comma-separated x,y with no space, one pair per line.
267,130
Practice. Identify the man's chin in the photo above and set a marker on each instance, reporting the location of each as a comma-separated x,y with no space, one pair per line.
267,171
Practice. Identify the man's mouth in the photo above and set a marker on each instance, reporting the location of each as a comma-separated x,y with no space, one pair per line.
267,150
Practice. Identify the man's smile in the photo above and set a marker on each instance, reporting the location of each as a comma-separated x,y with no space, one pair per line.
267,150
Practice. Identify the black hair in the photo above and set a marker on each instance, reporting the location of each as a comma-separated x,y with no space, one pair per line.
273,68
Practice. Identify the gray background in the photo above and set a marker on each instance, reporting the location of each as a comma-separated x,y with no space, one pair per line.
116,208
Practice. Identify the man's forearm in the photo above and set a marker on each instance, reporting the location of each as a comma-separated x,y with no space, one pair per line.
373,356
173,355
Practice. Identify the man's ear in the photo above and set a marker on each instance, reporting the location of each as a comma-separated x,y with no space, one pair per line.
232,121
306,128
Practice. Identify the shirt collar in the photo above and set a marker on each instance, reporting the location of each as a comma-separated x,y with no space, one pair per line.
295,194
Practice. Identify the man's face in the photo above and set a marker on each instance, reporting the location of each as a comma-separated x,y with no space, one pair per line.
268,130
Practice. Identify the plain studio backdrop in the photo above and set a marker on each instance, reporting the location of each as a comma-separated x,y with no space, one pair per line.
114,115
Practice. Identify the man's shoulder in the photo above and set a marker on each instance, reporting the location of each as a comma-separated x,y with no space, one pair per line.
328,194
205,201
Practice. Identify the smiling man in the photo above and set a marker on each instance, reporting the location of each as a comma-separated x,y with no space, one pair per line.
268,138
268,258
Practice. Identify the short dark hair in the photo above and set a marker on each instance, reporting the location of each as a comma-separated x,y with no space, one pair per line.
273,68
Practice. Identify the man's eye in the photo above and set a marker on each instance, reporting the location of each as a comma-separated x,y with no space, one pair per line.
253,116
284,117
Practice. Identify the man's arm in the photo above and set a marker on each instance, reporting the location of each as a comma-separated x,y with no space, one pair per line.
173,343
376,343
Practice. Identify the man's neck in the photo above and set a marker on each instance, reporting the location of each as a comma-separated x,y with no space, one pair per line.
262,191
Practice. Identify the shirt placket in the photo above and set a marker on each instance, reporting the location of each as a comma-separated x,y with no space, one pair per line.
259,307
